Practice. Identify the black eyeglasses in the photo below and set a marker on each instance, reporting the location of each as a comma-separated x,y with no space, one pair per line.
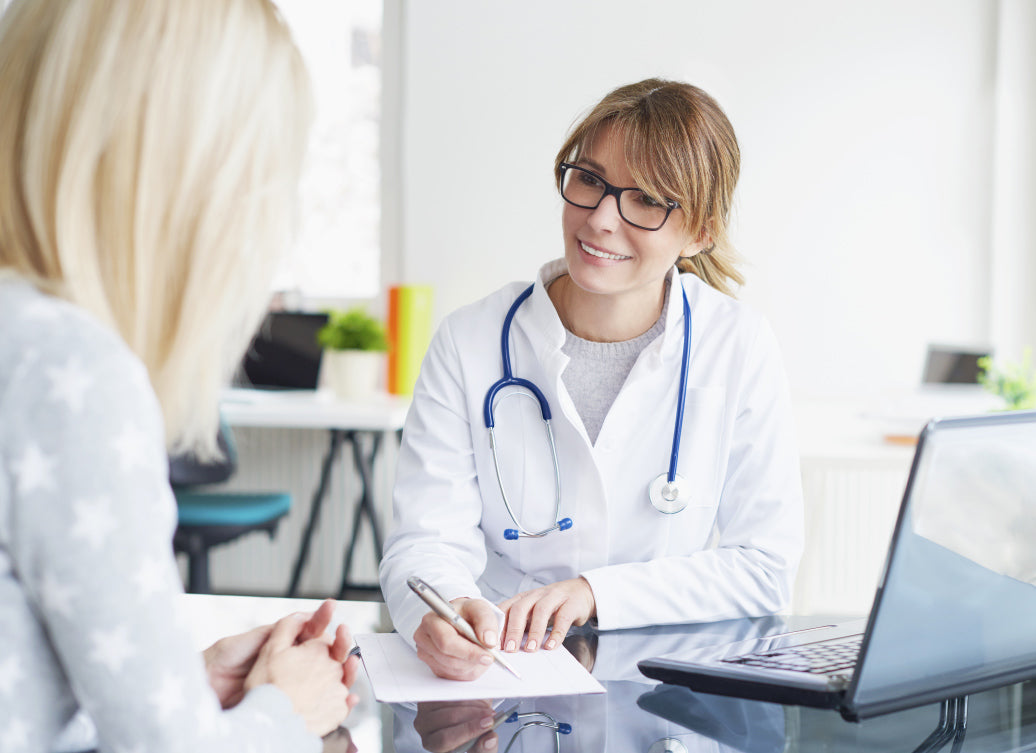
586,189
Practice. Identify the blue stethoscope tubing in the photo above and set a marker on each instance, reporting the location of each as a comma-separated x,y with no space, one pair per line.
667,493
510,380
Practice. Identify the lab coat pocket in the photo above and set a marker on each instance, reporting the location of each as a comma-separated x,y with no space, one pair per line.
704,441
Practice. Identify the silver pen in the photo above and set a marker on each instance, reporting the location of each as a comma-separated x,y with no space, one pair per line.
445,610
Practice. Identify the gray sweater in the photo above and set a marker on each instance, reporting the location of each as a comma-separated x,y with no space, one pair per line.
596,372
88,582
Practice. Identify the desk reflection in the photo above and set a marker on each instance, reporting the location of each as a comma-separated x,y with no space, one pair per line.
616,722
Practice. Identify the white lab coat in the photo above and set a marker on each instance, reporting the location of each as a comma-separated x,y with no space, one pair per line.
732,552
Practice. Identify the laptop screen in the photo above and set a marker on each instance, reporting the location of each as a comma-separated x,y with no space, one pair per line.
956,608
284,354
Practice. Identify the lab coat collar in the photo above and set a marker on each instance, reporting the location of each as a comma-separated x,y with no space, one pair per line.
545,317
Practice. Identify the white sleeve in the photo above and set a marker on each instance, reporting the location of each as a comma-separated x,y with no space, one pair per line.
90,538
436,502
752,567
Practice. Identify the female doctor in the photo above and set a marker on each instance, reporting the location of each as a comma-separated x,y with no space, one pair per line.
665,486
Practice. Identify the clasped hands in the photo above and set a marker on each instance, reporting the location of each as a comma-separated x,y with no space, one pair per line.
527,615
313,669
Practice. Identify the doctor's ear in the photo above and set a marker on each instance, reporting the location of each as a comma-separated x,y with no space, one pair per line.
703,244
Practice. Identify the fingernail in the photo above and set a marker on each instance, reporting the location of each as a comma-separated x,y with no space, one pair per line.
490,638
530,646
487,659
549,644
511,646
489,744
486,722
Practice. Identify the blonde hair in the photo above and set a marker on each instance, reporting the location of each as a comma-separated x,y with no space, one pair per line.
149,159
679,145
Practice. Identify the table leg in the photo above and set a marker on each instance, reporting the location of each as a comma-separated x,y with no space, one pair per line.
334,445
364,506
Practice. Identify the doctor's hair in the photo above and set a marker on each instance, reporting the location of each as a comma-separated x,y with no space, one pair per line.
149,162
678,145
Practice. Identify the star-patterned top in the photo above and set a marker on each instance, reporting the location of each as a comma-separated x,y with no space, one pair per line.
88,582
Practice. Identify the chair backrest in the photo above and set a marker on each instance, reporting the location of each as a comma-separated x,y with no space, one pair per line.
188,470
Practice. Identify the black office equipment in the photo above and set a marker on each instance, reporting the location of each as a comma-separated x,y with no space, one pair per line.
284,354
949,364
956,604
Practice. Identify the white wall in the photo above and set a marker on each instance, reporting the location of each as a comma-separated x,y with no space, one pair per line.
866,133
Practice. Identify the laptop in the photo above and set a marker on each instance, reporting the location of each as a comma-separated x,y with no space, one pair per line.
955,608
284,354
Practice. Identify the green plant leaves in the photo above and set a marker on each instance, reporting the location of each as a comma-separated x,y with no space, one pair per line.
353,329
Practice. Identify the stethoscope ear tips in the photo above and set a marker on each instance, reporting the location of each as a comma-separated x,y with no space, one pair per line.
564,524
511,534
564,729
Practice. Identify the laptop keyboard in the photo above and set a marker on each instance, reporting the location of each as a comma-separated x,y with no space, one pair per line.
822,658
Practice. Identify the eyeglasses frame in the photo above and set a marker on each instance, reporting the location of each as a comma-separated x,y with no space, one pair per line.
611,190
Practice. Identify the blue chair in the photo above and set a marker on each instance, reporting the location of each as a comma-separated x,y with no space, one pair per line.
208,518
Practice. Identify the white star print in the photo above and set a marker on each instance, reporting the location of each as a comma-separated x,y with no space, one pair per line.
139,377
208,717
93,520
168,697
131,447
112,648
10,674
135,749
34,470
15,737
69,384
262,718
41,310
152,576
56,595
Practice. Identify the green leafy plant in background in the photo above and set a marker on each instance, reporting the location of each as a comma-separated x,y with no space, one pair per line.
1014,382
353,329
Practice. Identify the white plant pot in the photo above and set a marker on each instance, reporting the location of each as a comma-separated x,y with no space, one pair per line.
352,374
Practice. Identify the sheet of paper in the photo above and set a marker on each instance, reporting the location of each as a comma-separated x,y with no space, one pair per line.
398,676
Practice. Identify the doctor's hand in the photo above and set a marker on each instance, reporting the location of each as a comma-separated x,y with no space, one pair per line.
449,654
562,605
444,726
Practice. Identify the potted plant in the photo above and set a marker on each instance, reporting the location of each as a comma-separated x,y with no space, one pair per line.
1015,383
354,344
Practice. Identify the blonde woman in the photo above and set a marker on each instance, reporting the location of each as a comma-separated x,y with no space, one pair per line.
669,491
149,155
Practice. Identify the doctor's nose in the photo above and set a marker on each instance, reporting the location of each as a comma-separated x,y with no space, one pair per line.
605,217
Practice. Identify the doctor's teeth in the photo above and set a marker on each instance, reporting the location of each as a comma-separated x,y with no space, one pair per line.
600,254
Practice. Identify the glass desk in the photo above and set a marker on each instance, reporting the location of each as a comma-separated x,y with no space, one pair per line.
636,715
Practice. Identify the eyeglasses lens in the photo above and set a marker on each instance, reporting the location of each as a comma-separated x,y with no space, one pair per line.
585,189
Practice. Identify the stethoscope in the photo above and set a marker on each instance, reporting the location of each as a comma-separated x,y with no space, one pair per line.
543,720
668,493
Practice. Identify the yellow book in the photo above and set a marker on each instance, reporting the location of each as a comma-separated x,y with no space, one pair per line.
410,332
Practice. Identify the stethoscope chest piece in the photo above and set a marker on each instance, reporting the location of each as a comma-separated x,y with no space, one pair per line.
667,497
667,745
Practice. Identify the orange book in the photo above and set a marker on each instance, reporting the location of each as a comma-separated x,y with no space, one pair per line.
410,332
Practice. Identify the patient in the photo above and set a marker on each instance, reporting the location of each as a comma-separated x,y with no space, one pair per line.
149,159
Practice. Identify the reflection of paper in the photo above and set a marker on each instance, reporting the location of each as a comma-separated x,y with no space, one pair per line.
398,676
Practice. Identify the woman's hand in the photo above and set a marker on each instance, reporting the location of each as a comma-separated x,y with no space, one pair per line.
229,660
339,741
447,652
444,726
310,671
562,605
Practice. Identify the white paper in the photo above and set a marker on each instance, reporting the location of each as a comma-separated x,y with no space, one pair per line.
398,676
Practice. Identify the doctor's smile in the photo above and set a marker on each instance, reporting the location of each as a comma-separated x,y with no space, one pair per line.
602,254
